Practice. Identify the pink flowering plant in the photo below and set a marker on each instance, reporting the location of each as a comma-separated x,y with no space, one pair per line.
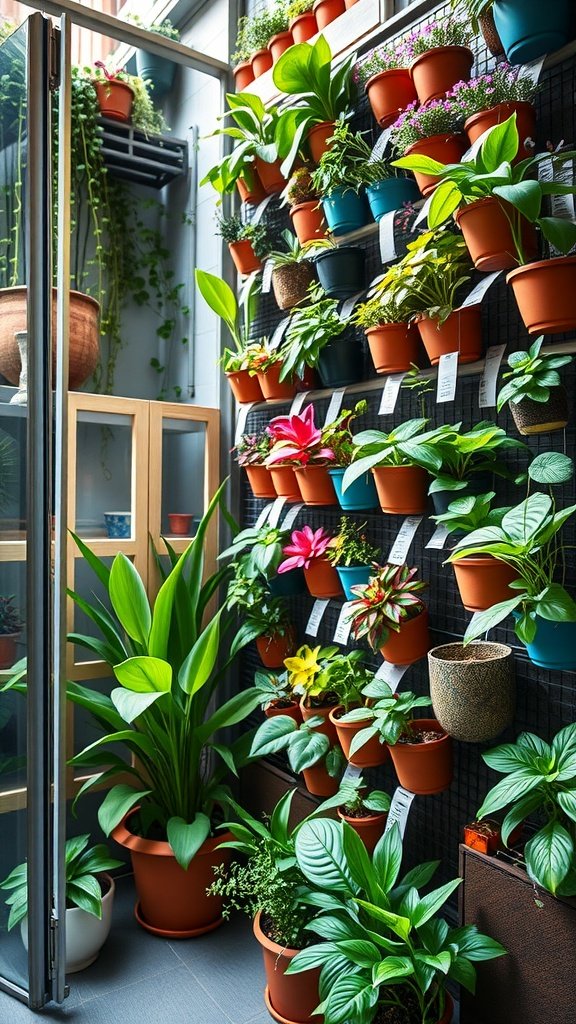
448,32
101,73
305,545
438,117
253,449
297,440
387,57
505,84
388,599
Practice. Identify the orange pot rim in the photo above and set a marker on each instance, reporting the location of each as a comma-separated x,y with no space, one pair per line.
441,137
378,328
159,847
242,65
319,124
111,83
389,73
269,944
421,724
277,36
345,725
441,50
369,819
314,203
460,309
22,289
301,17
487,110
540,265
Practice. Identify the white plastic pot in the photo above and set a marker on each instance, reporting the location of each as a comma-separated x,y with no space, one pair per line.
85,934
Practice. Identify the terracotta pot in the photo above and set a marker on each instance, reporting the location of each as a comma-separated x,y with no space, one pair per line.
260,480
370,829
261,62
410,644
285,483
436,71
322,579
291,997
244,258
115,99
273,649
251,192
473,689
308,221
393,347
245,388
180,523
292,711
317,139
327,728
318,782
243,75
290,283
424,768
545,293
389,92
303,27
316,485
532,417
476,125
173,902
461,332
402,490
447,149
370,755
272,386
488,235
308,381
326,11
8,649
279,43
483,582
270,175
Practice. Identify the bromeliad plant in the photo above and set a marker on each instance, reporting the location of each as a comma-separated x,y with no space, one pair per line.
305,545
298,441
350,546
253,449
384,603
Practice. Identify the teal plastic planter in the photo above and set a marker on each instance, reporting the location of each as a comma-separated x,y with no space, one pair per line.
554,645
351,576
158,70
288,584
345,211
530,28
361,496
391,194
340,363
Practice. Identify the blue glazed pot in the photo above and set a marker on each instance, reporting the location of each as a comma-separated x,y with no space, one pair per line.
391,194
345,211
118,525
361,496
554,645
530,28
158,70
288,584
352,575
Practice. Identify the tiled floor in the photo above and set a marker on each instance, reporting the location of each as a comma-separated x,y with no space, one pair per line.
140,979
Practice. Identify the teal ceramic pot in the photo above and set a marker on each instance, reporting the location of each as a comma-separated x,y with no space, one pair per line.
342,271
554,645
340,363
473,689
530,28
158,70
352,575
288,584
361,496
391,194
345,210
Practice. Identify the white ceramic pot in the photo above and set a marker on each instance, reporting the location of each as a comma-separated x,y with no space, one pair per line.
85,934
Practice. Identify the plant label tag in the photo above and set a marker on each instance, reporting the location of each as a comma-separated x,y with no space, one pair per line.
487,386
263,516
373,284
423,212
386,235
479,291
348,305
399,810
316,616
401,545
447,377
279,333
261,209
298,402
243,412
563,206
290,516
344,625
391,674
381,143
276,511
352,773
267,276
438,538
533,69
390,393
334,406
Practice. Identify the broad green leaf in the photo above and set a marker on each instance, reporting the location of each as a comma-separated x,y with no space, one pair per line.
433,901
145,675
199,665
510,789
186,838
391,968
306,749
349,999
519,811
359,863
549,855
321,858
131,705
272,736
129,599
551,468
508,757
116,804
398,924
387,859
500,145
360,952
233,711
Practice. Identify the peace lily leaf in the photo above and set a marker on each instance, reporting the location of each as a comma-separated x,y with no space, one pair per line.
116,804
549,855
129,600
391,968
131,705
186,839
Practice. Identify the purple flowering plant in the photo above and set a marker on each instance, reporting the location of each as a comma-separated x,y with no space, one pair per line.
387,57
505,84
448,32
438,117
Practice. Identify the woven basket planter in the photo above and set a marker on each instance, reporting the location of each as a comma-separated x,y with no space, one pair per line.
290,283
473,689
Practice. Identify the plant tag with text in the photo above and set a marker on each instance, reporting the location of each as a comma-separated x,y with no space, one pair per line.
438,538
391,674
279,333
344,625
386,236
390,393
479,290
290,517
399,810
267,276
348,305
298,402
316,615
381,143
401,545
263,516
276,512
334,406
447,377
261,209
243,412
489,378
352,772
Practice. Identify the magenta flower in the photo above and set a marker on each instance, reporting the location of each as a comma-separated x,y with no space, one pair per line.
297,439
306,545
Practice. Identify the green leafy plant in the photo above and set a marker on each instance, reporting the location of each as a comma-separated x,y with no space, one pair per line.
164,28
259,549
351,546
388,714
254,131
232,229
307,672
408,444
10,620
267,23
312,326
273,688
304,745
237,314
344,676
293,253
297,7
385,602
347,164
445,32
242,50
473,512
382,308
264,614
300,188
467,453
357,802
531,375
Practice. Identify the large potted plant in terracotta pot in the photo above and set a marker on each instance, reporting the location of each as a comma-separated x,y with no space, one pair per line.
440,57
307,550
237,315
352,555
254,130
391,615
364,810
534,392
492,98
165,662
386,79
435,131
308,748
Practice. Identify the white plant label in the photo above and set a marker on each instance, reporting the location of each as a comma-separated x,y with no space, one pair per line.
352,773
290,517
390,393
386,236
401,545
391,674
447,377
344,625
279,333
423,212
261,209
399,810
298,402
267,276
374,283
276,512
533,69
316,615
380,146
243,412
479,291
438,538
348,305
562,174
489,378
334,406
263,516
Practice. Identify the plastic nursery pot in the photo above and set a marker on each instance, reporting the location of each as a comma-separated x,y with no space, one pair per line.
292,997
322,579
285,483
272,386
361,496
308,221
340,363
341,271
270,175
424,768
391,194
303,27
326,11
243,75
529,28
402,490
545,294
323,711
244,258
370,755
251,192
483,836
390,92
8,649
370,829
554,645
317,139
273,649
479,123
115,99
290,283
483,582
393,347
180,523
345,210
245,388
461,333
447,149
436,71
318,782
473,689
315,485
260,480
160,71
279,43
288,584
532,417
488,235
261,62
291,708
410,644
351,576
173,902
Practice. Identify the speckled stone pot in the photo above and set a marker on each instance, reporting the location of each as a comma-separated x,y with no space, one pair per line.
473,689
533,417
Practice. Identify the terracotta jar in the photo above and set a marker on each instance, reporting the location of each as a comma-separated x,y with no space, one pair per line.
483,581
243,75
252,191
370,829
424,768
461,332
488,235
390,92
304,27
322,579
371,754
244,258
326,11
402,490
318,782
447,149
291,997
545,293
308,221
270,175
261,62
279,43
436,71
393,347
316,485
410,644
285,483
245,388
272,386
273,649
318,137
479,123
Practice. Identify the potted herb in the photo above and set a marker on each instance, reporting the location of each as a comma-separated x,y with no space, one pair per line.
305,209
268,364
389,612
308,550
534,393
493,98
365,811
470,458
10,628
241,58
281,38
307,747
255,152
89,900
341,268
263,27
352,555
266,618
237,316
470,513
114,92
276,695
248,243
251,453
292,273
393,341
441,56
259,551
433,130
528,30
159,71
473,689
386,79
326,11
299,442
361,495
318,337
302,20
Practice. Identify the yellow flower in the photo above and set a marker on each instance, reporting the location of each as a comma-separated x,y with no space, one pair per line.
302,668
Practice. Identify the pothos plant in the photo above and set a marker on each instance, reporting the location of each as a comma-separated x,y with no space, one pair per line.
304,744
